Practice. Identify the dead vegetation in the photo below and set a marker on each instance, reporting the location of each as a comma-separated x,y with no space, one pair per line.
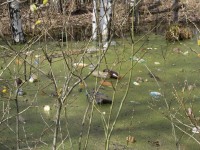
78,22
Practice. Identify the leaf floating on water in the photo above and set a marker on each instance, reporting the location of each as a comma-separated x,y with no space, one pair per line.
157,63
155,143
152,75
191,87
136,83
105,83
186,53
139,79
80,65
18,61
4,90
177,50
101,74
196,129
130,139
33,78
135,102
149,48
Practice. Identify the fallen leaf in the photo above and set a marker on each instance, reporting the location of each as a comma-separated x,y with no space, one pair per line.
130,139
106,83
18,61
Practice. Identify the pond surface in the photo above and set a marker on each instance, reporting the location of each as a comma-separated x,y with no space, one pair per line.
171,69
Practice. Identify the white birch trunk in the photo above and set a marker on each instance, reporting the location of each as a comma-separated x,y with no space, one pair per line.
15,21
105,16
94,21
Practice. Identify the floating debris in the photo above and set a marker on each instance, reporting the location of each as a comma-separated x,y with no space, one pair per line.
81,86
101,74
18,61
136,83
99,97
18,82
196,129
173,64
139,79
80,65
130,139
139,60
37,56
155,94
113,43
134,102
106,83
156,63
20,92
29,53
177,50
36,62
47,109
105,46
91,67
113,74
92,50
103,113
155,143
4,90
33,78
22,119
185,53
151,75
191,87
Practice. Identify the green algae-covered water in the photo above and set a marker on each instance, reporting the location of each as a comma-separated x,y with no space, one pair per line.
150,65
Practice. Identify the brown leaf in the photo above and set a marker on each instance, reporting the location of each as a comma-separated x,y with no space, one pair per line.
106,83
130,139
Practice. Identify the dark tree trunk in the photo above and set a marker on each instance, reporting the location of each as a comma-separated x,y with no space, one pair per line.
60,6
15,22
175,11
136,15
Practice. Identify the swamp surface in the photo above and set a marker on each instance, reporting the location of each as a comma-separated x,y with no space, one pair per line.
154,122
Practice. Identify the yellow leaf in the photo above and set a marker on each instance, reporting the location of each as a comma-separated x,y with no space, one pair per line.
4,90
38,22
198,42
59,92
33,7
45,2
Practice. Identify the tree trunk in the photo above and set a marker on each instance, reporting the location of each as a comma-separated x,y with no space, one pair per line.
105,18
94,21
175,11
15,22
136,15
